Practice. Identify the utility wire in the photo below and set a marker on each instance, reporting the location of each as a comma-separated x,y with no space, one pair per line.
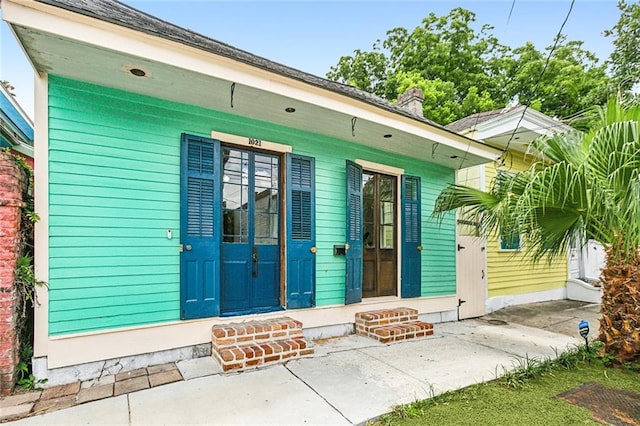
469,144
544,69
510,12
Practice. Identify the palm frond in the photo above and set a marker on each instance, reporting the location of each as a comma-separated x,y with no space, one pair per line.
581,185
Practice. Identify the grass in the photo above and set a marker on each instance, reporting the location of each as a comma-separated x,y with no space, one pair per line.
521,397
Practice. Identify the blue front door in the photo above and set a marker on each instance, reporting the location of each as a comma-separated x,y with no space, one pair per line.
250,232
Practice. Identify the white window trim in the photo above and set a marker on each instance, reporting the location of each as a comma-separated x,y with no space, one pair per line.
397,172
380,168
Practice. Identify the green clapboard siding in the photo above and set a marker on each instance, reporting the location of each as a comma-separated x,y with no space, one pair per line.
114,191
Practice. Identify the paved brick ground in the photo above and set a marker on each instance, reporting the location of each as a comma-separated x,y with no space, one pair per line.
64,396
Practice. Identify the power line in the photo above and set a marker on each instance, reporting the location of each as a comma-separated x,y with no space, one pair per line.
544,69
469,144
511,11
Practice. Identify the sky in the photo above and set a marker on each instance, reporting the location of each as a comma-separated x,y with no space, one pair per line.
312,35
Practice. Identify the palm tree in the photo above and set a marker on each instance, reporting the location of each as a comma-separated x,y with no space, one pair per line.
580,185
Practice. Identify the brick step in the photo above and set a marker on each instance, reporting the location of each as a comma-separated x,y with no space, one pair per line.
366,320
398,332
242,345
228,335
252,354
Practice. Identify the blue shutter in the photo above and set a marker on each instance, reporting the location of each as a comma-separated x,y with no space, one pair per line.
199,227
411,237
301,232
353,293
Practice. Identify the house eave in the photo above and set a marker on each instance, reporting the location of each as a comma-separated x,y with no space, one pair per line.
515,129
40,26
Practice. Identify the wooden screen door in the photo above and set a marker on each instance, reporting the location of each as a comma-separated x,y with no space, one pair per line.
380,252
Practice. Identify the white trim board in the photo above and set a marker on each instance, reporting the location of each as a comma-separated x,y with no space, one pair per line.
380,168
250,142
41,198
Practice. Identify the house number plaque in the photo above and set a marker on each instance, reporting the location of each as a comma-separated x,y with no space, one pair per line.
250,142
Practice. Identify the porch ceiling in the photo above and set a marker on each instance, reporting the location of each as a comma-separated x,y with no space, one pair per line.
78,59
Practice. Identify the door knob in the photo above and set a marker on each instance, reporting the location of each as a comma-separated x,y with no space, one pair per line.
420,248
187,247
313,250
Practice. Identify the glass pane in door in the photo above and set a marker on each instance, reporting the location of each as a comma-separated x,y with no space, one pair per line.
368,200
266,199
235,196
387,211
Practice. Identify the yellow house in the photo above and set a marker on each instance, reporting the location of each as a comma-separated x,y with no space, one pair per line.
493,270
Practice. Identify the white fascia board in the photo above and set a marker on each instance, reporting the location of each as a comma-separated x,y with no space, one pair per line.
533,120
92,31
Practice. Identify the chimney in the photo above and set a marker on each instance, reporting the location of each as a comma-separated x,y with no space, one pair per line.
412,100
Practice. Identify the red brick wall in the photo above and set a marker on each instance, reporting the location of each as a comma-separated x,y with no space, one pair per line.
27,159
12,181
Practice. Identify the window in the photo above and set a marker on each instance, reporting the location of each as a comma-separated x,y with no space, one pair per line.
510,241
509,235
510,238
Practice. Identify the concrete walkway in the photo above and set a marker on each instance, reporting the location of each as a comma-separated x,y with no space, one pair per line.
349,380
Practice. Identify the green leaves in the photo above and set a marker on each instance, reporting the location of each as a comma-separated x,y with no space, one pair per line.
625,59
572,81
368,71
584,185
463,70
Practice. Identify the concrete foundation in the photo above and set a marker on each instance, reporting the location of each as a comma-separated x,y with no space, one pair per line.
583,291
499,302
95,370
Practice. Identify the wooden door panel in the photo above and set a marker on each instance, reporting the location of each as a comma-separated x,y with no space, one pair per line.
387,276
471,277
369,273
